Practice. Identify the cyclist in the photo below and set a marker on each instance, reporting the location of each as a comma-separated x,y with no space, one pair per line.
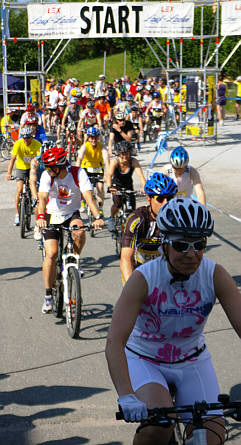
155,109
136,119
104,108
60,114
36,170
24,149
92,156
156,336
60,189
88,118
38,130
186,177
121,130
119,175
30,112
70,117
141,239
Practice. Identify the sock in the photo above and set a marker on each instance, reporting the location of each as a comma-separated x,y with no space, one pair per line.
48,292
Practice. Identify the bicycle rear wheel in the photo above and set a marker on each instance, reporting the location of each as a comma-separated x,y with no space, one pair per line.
74,306
22,217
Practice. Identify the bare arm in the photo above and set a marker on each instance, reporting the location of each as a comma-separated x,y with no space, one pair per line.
43,198
111,142
81,154
88,196
33,176
123,320
198,187
110,172
229,296
138,170
126,262
10,167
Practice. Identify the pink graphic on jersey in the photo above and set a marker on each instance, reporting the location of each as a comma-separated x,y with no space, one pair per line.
184,301
169,353
153,303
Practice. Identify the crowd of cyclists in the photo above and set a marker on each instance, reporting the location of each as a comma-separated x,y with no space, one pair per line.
154,337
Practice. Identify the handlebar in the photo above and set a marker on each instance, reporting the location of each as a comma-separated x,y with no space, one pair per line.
198,410
59,227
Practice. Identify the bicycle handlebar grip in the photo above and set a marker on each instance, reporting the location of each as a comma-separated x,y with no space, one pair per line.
119,415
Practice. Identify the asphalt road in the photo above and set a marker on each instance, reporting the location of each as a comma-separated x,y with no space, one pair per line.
56,390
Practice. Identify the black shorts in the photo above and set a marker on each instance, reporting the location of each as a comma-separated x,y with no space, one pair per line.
54,234
118,201
21,174
238,101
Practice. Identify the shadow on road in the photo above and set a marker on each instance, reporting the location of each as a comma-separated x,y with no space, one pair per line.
23,272
69,441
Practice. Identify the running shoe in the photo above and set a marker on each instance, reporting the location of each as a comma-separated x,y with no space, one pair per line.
48,305
16,221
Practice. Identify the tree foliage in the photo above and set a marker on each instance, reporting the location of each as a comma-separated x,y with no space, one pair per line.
141,56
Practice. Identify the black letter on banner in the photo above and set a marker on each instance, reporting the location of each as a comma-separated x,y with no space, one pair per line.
123,14
111,23
98,9
86,20
137,10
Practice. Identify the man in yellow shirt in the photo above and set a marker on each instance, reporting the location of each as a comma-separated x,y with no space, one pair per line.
92,156
238,101
6,122
24,150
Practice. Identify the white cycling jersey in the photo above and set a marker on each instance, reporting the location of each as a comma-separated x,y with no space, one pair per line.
184,182
170,323
64,194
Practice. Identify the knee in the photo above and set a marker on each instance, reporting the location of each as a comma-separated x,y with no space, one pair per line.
51,255
152,435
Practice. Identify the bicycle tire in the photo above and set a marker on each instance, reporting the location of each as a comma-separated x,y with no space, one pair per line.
70,145
118,237
6,149
58,299
22,215
28,213
91,220
74,306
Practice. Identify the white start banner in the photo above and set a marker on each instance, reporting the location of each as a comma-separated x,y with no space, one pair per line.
82,20
231,19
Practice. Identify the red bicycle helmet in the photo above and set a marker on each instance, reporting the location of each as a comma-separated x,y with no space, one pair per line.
54,157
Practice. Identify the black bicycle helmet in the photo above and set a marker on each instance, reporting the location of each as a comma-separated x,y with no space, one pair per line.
123,147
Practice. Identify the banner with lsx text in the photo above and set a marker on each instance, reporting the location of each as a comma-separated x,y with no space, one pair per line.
133,19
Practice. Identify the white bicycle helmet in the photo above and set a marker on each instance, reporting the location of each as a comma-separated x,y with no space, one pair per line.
185,217
26,132
120,115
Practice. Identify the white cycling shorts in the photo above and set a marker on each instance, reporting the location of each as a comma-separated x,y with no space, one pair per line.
194,380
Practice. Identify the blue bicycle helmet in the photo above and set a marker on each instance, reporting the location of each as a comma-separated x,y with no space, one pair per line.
130,97
156,94
179,157
160,184
93,131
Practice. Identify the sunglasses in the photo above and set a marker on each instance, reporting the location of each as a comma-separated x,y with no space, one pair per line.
184,246
160,198
120,120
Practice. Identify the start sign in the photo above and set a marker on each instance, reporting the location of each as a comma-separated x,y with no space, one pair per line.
133,19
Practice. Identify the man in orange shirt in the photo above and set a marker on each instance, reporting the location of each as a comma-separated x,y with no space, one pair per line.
104,108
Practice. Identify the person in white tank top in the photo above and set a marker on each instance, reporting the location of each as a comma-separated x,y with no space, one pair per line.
185,176
156,335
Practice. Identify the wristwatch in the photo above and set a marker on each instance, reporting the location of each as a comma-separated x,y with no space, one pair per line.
98,217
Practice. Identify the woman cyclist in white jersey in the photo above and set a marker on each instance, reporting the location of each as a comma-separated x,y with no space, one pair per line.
156,335
185,176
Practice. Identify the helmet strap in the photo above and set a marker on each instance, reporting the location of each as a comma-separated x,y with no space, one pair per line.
152,211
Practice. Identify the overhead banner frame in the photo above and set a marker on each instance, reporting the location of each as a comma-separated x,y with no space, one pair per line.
98,20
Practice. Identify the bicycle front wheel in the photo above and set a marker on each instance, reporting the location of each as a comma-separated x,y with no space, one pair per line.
6,149
28,213
22,217
74,306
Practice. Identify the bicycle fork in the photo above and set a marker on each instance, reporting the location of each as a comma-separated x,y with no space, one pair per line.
66,266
